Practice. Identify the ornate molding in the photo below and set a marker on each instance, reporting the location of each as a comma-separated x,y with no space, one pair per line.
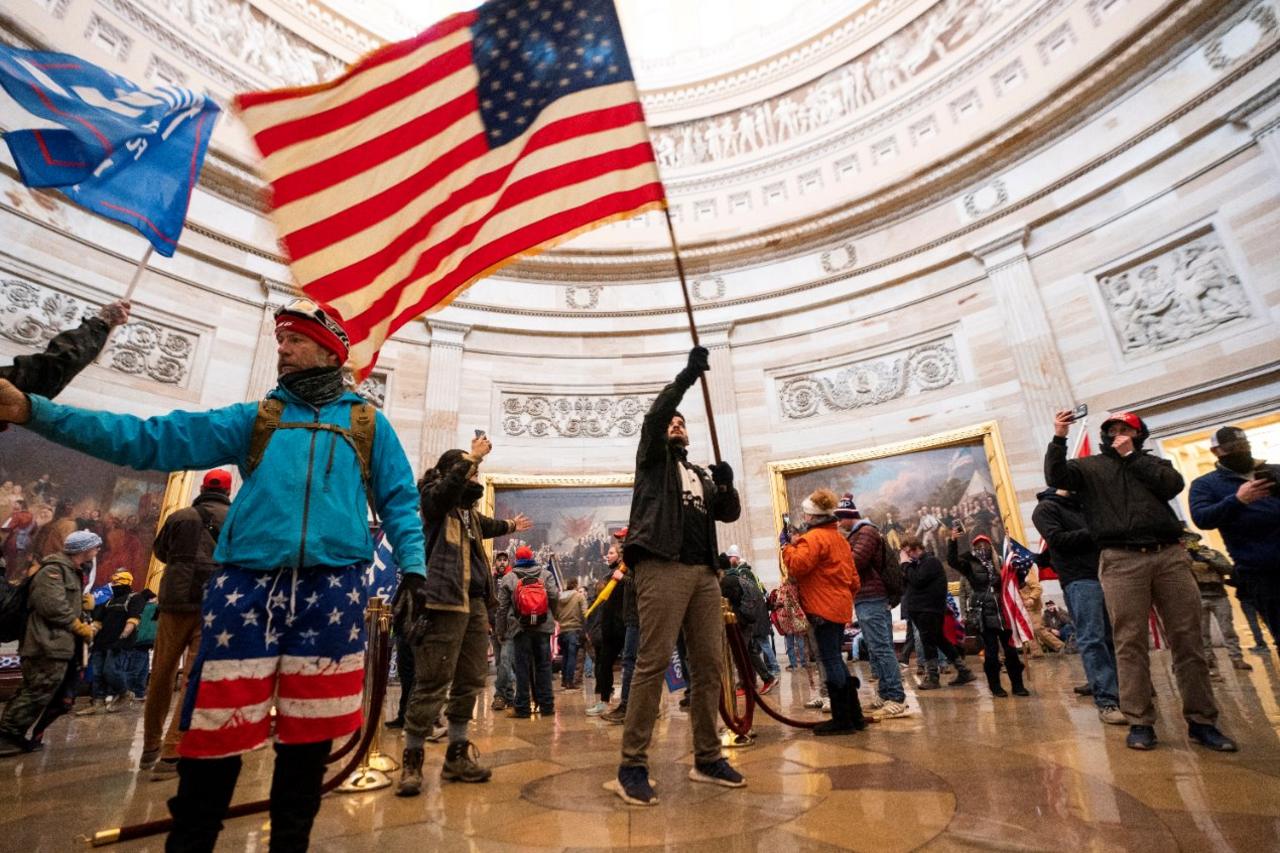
870,381
1183,290
1239,40
582,298
374,389
839,259
708,289
985,199
573,416
32,314
109,37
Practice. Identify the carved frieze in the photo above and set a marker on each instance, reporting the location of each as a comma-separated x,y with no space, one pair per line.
871,381
1186,290
374,389
31,314
574,416
1242,37
811,109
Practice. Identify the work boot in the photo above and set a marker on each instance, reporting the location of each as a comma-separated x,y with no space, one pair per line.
460,764
410,773
96,706
963,675
930,680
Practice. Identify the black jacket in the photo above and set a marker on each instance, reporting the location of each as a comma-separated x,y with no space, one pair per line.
983,608
656,527
1125,499
1072,552
926,585
47,373
449,542
185,545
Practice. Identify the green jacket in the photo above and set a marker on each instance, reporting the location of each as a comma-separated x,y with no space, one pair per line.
56,602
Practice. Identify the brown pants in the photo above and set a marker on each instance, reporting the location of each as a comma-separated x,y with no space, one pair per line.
176,634
671,597
1132,582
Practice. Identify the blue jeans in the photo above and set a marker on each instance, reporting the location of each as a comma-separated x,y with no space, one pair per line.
533,652
876,621
770,656
629,648
505,683
569,648
110,673
797,649
137,668
1088,610
830,640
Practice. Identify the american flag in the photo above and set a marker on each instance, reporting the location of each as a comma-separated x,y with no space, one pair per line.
435,161
1013,572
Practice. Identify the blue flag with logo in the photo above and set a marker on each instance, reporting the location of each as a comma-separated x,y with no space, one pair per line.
383,575
127,153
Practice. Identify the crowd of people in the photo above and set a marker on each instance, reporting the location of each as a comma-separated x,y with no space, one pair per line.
263,593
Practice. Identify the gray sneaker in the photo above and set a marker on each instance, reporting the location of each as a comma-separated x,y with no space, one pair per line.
1112,716
95,706
165,769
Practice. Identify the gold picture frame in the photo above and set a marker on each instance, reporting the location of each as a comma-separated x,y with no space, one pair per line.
504,481
988,433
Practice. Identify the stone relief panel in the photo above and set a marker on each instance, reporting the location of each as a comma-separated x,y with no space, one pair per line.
1240,39
374,389
870,382
708,289
240,35
31,314
108,37
582,298
1186,290
877,73
574,416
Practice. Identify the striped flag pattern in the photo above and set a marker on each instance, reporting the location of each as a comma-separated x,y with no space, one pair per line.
1017,563
435,161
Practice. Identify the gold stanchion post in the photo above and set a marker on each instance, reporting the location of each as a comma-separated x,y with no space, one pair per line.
371,773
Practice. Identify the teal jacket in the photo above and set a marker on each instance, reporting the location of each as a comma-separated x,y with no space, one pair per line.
304,505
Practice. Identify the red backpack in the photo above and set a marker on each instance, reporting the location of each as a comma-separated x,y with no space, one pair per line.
531,602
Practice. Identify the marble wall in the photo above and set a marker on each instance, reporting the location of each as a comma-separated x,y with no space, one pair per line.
1130,262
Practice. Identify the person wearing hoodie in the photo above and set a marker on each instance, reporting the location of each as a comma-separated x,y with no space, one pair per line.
54,638
821,564
115,623
526,596
1074,557
671,549
609,633
1125,493
1240,498
571,611
290,591
445,615
980,568
925,596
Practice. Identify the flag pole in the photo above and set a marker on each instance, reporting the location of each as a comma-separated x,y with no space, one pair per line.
137,273
693,331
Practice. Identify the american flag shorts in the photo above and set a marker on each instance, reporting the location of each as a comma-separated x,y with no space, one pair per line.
289,638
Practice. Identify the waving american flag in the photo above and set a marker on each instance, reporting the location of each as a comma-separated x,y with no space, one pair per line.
1013,572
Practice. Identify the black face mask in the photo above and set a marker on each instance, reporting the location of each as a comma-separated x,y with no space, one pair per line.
471,493
1241,461
121,589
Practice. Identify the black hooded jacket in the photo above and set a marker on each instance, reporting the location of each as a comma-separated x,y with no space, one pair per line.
1125,499
47,373
656,527
1072,552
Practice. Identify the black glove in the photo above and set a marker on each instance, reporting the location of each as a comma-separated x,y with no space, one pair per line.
722,474
699,360
410,601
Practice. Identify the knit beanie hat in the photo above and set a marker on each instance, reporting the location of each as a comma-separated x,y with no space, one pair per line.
80,541
524,557
847,508
327,330
821,502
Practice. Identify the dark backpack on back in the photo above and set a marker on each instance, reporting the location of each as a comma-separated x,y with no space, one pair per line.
891,569
13,609
753,603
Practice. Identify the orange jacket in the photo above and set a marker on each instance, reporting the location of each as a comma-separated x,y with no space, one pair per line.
821,563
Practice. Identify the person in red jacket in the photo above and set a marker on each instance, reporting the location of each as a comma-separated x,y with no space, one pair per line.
821,564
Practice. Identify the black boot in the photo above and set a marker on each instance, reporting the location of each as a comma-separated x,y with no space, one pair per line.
856,720
295,794
205,786
839,723
1013,663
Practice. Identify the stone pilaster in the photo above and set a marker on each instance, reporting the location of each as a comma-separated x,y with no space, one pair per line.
444,383
1026,329
262,375
724,403
1260,115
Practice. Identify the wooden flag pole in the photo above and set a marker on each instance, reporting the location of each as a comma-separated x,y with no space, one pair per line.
137,273
693,332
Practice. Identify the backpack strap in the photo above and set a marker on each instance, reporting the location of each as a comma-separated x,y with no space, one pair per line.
264,427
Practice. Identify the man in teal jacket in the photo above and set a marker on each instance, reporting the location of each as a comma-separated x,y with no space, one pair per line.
284,614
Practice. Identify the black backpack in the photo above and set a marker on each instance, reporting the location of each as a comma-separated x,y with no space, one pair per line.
891,572
754,607
13,609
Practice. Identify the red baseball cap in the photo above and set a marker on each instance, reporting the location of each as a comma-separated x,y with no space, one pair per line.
219,479
1125,418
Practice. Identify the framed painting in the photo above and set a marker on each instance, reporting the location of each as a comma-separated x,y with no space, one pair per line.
54,490
913,488
574,517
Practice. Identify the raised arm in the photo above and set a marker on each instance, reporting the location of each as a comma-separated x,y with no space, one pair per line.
653,432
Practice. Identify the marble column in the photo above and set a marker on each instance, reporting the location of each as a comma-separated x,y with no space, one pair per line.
1026,330
724,403
444,382
262,374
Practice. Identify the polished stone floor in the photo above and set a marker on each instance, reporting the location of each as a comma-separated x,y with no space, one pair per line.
964,771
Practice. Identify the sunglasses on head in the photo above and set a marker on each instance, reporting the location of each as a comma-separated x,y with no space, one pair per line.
312,310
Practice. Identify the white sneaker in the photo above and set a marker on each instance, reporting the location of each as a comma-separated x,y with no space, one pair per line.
892,709
815,702
596,709
826,706
876,703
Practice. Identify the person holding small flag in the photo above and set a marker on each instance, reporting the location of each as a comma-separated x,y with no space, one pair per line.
1124,492
985,615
